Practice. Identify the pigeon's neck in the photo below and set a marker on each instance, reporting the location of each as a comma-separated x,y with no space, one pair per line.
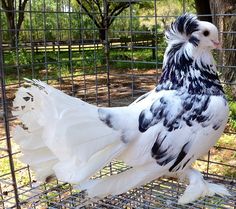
189,69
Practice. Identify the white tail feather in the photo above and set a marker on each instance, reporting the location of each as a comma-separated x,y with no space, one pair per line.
26,139
62,135
80,171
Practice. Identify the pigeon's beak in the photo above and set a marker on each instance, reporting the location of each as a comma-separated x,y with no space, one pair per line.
217,44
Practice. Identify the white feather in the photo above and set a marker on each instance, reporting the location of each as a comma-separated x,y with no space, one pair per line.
198,187
122,182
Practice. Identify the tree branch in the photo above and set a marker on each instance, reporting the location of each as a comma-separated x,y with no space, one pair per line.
99,6
10,4
119,6
89,14
114,13
4,5
21,13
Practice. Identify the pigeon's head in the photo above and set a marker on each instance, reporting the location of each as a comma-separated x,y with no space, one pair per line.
207,34
188,61
188,31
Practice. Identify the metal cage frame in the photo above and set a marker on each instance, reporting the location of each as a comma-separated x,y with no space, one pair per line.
102,78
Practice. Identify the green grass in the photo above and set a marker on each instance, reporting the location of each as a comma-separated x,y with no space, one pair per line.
21,176
141,59
53,64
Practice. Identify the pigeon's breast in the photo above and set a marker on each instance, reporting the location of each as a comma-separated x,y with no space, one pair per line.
182,126
217,113
200,125
204,110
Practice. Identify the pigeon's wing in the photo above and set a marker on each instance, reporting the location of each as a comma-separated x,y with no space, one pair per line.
177,128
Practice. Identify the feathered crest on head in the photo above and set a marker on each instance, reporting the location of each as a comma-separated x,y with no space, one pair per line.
182,28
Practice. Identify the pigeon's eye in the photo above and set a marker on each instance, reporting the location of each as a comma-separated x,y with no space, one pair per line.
206,33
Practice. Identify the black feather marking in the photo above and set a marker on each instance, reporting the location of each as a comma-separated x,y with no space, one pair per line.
175,48
188,122
188,103
185,24
216,126
107,121
163,100
105,117
205,103
180,23
196,113
30,94
167,160
186,162
124,138
157,145
201,118
194,41
159,153
144,121
180,157
152,116
179,166
191,25
26,98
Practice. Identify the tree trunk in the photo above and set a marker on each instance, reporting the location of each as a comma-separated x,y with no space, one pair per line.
14,24
203,8
102,34
227,24
11,27
105,43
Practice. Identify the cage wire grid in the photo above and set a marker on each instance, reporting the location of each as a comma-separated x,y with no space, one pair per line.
61,46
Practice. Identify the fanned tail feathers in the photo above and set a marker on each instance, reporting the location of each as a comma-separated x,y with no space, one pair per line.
36,154
62,135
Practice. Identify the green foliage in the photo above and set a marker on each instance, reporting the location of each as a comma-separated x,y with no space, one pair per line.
51,64
232,120
19,57
51,20
233,110
232,107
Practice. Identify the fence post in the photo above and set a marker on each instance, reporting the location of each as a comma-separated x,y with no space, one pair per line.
107,50
6,124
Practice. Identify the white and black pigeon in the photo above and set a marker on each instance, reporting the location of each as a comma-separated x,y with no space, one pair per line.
161,133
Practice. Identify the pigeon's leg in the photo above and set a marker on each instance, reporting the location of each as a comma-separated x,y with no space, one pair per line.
122,182
198,187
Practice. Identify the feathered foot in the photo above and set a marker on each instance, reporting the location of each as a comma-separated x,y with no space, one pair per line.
198,187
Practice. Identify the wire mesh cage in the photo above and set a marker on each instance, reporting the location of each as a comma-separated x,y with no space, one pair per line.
107,53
